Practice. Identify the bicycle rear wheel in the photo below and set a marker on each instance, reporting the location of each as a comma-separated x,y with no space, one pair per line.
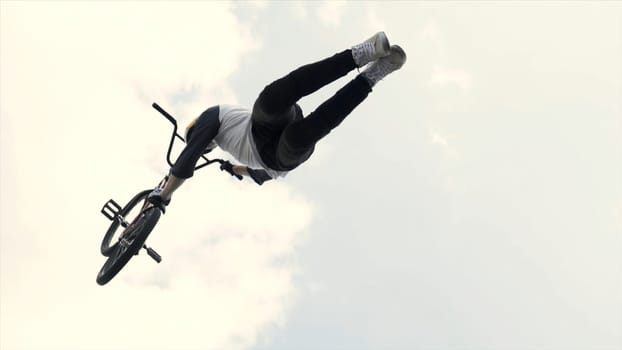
131,241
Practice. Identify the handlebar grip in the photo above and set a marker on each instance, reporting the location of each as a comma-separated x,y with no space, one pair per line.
164,113
227,166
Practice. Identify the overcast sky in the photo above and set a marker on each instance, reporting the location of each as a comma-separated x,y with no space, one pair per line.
473,201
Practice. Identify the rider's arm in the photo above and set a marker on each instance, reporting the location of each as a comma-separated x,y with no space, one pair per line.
241,170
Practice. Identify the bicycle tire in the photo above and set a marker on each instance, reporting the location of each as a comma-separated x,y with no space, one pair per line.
119,255
106,248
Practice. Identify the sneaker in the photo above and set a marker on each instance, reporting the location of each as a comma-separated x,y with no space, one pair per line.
155,198
385,65
371,49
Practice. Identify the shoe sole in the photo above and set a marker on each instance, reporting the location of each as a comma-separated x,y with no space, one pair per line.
401,53
386,46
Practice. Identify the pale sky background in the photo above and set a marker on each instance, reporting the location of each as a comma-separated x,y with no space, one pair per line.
473,201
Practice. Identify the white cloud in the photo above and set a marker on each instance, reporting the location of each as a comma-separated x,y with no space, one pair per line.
299,10
375,22
430,31
330,12
443,77
438,138
77,80
258,4
442,74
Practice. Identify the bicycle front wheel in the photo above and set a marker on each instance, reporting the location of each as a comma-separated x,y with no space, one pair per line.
131,241
120,222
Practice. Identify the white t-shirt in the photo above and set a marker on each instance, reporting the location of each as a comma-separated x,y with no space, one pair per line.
235,137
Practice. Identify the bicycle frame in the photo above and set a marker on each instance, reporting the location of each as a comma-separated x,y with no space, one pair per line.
175,134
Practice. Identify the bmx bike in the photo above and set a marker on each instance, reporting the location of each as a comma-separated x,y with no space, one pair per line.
138,218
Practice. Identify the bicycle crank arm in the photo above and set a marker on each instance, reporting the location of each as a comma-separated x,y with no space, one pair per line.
153,254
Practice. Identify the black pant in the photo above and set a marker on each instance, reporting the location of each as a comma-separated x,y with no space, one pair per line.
283,137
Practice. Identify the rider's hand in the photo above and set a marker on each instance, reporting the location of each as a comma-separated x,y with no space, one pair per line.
155,198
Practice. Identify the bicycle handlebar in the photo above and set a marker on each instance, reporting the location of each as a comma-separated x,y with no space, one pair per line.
164,113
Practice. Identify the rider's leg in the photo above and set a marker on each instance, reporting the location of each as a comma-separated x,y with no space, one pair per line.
280,96
276,106
300,137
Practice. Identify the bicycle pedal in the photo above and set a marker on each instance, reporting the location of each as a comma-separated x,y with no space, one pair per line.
111,209
153,254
